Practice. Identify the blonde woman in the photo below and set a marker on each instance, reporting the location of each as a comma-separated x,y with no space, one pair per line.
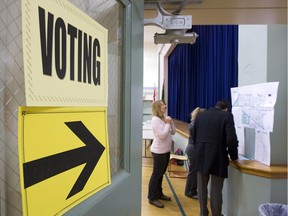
191,181
163,128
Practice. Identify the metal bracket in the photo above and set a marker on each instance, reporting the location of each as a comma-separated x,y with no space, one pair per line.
166,20
174,24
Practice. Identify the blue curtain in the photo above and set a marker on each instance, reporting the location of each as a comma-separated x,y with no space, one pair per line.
202,73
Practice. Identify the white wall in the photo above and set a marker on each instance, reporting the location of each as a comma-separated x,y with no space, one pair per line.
252,54
263,59
151,56
150,76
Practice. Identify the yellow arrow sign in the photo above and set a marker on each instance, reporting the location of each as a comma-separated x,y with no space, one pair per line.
64,157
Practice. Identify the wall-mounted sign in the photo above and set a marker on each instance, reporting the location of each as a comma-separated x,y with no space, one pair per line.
65,55
63,157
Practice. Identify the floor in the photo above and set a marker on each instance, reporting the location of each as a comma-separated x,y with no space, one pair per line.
174,187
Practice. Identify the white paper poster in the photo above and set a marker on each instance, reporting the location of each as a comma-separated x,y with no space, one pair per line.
262,147
253,107
240,136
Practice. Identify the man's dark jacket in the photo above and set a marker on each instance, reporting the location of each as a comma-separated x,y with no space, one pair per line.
215,138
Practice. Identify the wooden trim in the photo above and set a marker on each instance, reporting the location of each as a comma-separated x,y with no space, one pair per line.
182,128
252,167
258,169
182,133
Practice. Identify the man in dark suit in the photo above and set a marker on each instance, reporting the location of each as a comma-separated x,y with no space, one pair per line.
215,138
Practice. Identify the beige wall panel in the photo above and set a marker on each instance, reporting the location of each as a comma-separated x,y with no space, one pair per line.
230,11
238,16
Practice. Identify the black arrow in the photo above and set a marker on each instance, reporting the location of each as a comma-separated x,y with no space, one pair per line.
44,168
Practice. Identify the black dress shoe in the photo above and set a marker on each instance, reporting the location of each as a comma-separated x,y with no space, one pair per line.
156,203
192,196
164,197
195,196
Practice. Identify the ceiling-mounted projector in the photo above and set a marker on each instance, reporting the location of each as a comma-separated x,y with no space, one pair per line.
185,38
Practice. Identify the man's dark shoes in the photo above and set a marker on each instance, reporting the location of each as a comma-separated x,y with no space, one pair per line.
164,197
156,203
195,196
192,196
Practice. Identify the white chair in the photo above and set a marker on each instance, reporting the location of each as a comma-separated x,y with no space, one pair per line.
183,158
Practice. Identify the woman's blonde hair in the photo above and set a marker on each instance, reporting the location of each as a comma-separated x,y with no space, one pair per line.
195,112
156,109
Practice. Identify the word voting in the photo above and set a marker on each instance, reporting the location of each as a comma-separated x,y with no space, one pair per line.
88,50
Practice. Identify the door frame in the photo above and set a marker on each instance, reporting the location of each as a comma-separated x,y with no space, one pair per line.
123,196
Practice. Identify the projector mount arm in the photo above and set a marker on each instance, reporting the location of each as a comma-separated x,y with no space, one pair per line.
175,25
167,20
